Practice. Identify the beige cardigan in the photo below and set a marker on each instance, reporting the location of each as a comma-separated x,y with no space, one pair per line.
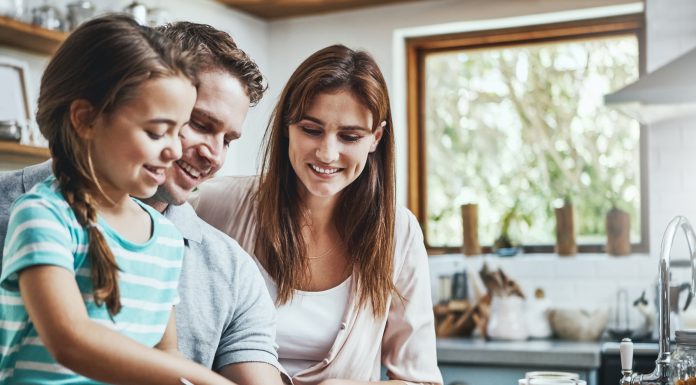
403,341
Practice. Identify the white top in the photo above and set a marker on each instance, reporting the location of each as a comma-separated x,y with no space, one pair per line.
308,324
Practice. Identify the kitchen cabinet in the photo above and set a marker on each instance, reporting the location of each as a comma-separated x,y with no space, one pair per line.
29,37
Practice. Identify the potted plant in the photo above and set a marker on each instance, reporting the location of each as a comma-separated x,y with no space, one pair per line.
504,245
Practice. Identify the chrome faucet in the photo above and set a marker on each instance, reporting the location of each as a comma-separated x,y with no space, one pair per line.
661,373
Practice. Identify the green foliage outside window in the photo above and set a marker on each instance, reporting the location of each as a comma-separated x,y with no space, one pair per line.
528,123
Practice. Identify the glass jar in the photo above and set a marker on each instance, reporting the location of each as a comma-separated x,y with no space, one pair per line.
683,364
551,378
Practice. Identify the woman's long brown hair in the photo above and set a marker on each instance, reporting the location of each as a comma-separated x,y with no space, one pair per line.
103,61
364,216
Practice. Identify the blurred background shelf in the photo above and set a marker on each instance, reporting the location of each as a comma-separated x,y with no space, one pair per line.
29,37
14,155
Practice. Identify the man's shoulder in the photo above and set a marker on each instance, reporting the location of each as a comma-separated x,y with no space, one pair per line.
11,185
213,236
212,242
17,182
220,258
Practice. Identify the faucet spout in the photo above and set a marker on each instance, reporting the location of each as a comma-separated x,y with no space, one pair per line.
663,275
661,373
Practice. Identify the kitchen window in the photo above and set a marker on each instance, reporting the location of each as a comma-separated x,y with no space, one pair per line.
513,120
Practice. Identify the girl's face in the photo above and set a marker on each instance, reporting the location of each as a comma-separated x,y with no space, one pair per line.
329,146
133,146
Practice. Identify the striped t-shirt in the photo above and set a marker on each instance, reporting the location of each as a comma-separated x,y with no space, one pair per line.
43,230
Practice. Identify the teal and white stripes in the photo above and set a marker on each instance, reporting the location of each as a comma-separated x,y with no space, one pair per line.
43,230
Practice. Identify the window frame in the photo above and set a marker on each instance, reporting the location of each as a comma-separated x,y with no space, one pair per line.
417,48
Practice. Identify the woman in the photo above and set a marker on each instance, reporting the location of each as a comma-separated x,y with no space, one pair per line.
347,267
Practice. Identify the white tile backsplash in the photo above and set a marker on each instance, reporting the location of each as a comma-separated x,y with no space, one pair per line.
586,281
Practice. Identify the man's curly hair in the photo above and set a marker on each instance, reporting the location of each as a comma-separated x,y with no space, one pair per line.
215,49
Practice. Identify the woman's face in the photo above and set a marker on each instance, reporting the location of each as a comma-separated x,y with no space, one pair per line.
330,144
133,146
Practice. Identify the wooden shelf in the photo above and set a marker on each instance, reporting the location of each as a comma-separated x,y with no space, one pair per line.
30,37
15,149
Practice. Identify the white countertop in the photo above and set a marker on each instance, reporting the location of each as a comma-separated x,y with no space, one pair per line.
531,353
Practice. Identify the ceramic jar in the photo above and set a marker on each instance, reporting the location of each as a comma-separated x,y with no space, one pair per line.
507,320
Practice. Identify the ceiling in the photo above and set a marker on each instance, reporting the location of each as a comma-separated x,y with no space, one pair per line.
278,9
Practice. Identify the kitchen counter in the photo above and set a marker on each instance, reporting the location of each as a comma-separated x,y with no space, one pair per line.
532,353
473,361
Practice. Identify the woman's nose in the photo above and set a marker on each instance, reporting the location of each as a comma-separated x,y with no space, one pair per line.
327,151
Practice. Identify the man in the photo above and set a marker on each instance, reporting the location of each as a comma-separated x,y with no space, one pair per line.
226,319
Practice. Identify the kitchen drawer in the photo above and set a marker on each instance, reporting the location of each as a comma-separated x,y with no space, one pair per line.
499,375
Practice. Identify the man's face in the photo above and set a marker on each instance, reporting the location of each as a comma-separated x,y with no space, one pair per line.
221,107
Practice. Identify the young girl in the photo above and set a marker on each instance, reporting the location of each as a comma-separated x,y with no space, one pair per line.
90,274
345,264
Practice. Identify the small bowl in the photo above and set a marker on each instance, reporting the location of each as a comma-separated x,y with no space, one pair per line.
507,251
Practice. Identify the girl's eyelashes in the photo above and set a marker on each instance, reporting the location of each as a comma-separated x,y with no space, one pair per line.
154,135
311,131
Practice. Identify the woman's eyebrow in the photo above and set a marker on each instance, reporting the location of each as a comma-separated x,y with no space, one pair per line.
343,128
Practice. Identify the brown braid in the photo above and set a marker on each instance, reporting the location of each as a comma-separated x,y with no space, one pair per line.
104,267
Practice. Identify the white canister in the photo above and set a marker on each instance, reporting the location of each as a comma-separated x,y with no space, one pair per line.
537,318
507,318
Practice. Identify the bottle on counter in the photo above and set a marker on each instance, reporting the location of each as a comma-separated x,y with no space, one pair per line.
537,315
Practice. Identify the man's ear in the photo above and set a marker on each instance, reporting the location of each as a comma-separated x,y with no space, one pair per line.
82,118
378,135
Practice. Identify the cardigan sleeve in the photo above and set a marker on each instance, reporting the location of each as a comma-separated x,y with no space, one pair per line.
227,203
408,345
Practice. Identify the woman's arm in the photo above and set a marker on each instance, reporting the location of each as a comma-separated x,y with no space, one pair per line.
55,306
408,346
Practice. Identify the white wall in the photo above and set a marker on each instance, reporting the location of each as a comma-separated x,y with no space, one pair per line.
250,34
671,145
